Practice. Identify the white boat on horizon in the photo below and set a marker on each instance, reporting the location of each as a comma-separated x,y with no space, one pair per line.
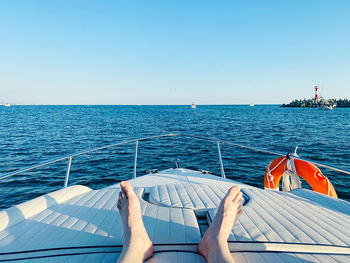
193,106
326,107
80,224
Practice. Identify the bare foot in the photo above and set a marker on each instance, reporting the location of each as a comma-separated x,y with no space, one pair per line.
137,247
213,245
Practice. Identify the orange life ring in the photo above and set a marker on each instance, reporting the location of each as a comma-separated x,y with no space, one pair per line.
312,175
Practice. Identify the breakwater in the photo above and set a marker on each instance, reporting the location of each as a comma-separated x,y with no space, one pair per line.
314,103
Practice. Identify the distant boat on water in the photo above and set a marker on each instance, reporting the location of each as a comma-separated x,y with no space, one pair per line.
251,104
326,107
193,106
7,105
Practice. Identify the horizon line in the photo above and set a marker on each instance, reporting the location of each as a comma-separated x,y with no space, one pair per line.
240,104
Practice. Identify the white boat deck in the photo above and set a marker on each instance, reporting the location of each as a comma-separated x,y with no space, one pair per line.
78,224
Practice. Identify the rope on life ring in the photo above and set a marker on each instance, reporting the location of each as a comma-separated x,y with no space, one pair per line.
308,171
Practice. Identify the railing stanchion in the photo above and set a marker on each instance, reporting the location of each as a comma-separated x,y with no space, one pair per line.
221,164
135,163
67,173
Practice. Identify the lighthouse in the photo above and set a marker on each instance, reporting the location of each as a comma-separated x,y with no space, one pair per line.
316,93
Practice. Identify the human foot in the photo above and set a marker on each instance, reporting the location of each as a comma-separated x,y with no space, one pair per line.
213,245
137,247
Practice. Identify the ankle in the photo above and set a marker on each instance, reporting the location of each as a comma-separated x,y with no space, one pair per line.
219,253
210,244
216,238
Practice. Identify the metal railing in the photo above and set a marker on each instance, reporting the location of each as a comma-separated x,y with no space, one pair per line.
136,141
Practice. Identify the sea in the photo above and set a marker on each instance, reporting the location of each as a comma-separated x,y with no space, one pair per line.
33,134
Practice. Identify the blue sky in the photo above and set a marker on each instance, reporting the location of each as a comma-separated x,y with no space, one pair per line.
173,52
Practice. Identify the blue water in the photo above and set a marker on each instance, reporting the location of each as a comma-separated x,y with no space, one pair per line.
32,134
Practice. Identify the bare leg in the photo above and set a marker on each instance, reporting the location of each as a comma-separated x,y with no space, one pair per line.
137,246
213,246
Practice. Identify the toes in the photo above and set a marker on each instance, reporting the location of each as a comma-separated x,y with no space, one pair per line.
232,192
119,204
121,197
237,198
127,188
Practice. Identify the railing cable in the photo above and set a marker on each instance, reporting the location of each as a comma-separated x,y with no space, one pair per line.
69,157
